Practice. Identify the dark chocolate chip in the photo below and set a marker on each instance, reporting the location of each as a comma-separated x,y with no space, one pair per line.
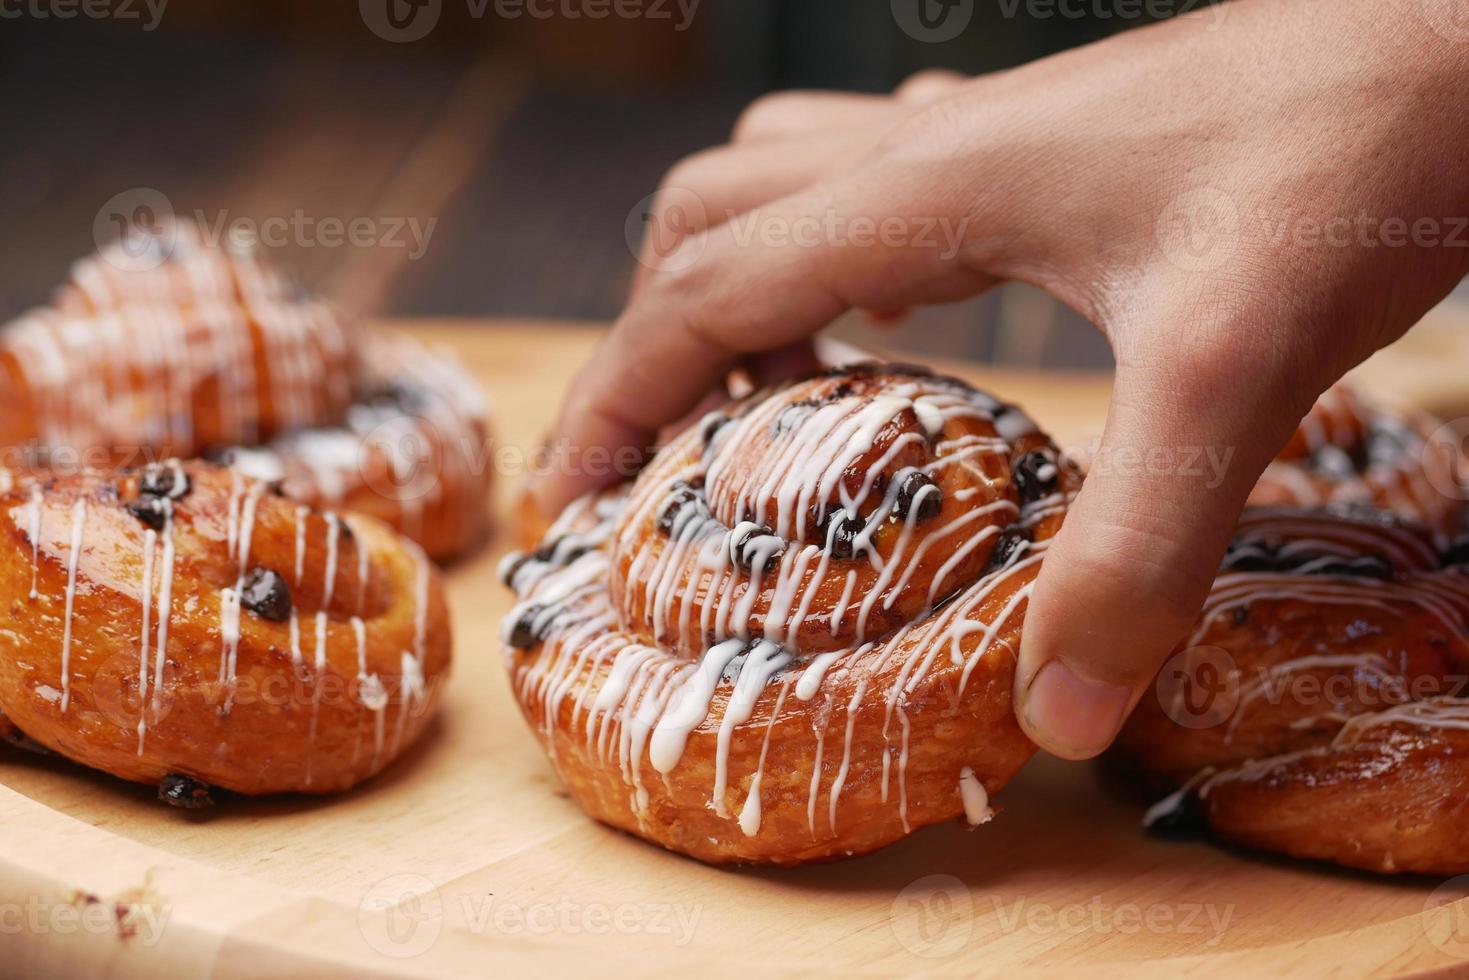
1035,475
917,486
843,537
1241,615
184,792
525,634
152,511
266,594
164,480
1012,541
745,545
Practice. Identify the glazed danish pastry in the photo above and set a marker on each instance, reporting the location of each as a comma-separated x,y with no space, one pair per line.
186,626
1351,450
1319,708
792,638
165,345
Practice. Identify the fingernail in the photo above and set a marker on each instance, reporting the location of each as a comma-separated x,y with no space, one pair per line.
1071,716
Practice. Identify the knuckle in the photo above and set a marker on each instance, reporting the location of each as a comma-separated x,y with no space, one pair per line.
767,114
928,83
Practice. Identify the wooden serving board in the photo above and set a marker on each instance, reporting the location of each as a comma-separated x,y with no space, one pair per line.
466,858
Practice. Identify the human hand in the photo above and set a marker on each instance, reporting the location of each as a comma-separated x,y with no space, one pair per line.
1246,208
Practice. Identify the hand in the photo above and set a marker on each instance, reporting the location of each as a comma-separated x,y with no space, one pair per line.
1245,208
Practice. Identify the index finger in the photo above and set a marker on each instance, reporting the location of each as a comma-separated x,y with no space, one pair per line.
678,339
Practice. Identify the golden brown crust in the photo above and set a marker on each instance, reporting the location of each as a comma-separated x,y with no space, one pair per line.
1351,450
151,632
1318,708
793,637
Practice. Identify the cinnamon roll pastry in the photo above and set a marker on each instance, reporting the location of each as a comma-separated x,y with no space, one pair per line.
1319,707
792,638
1351,450
165,345
185,626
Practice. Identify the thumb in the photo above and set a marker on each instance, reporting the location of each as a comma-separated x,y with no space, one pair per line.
1141,544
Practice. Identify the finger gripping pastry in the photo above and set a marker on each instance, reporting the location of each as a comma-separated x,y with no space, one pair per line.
185,626
792,637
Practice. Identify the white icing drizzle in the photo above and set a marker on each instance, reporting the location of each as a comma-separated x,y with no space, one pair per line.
301,514
78,524
750,812
976,800
150,539
33,513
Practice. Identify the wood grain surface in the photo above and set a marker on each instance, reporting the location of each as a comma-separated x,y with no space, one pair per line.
466,859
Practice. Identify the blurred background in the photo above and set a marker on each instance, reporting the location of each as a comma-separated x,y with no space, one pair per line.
492,150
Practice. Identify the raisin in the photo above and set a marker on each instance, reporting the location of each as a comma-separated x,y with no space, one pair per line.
711,425
916,487
1457,552
524,633
680,500
184,792
1035,475
266,594
164,480
1181,817
152,511
844,536
1012,540
744,545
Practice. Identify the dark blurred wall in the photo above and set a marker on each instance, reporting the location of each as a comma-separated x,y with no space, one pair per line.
525,142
